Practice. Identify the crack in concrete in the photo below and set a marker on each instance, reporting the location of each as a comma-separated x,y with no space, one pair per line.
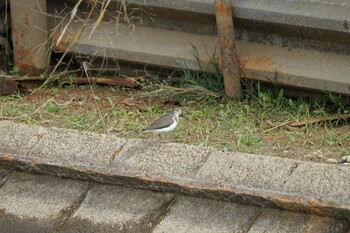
116,153
254,220
292,170
5,178
164,210
207,156
68,212
39,137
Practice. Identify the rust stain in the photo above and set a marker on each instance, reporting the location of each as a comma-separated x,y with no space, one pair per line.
287,204
8,158
23,59
241,63
319,208
223,9
26,20
22,52
309,205
260,63
63,45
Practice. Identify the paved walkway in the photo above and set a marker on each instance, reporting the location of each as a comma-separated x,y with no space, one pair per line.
225,192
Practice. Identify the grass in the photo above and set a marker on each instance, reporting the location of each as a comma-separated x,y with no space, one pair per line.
207,120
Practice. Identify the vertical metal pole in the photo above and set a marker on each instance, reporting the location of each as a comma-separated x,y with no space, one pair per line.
30,35
229,64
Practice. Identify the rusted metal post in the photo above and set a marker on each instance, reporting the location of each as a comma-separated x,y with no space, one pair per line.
228,60
30,35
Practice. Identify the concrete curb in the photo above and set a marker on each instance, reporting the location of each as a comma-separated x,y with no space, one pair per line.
52,204
204,172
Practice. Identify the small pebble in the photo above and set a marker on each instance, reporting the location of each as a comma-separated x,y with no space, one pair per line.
345,159
331,160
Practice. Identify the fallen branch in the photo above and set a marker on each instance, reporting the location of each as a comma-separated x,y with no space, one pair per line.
180,90
278,126
132,82
319,119
124,82
291,124
51,100
6,76
10,118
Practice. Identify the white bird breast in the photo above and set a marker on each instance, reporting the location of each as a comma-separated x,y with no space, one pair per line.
167,129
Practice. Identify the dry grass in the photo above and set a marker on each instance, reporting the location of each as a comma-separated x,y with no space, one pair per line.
73,22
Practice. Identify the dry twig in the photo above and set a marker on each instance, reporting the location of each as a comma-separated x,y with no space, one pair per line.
291,124
319,119
181,90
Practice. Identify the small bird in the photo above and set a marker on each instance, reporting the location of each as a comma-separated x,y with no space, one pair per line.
165,123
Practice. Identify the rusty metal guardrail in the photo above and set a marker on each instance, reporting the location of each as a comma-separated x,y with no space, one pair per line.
298,43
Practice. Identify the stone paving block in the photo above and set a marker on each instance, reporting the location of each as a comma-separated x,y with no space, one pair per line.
18,139
117,209
74,147
204,215
276,221
247,170
321,181
31,203
152,158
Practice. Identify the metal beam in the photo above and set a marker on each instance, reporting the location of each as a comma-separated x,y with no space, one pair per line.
30,35
226,36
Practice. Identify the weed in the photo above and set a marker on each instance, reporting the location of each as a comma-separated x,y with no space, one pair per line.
248,139
84,121
53,108
15,70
